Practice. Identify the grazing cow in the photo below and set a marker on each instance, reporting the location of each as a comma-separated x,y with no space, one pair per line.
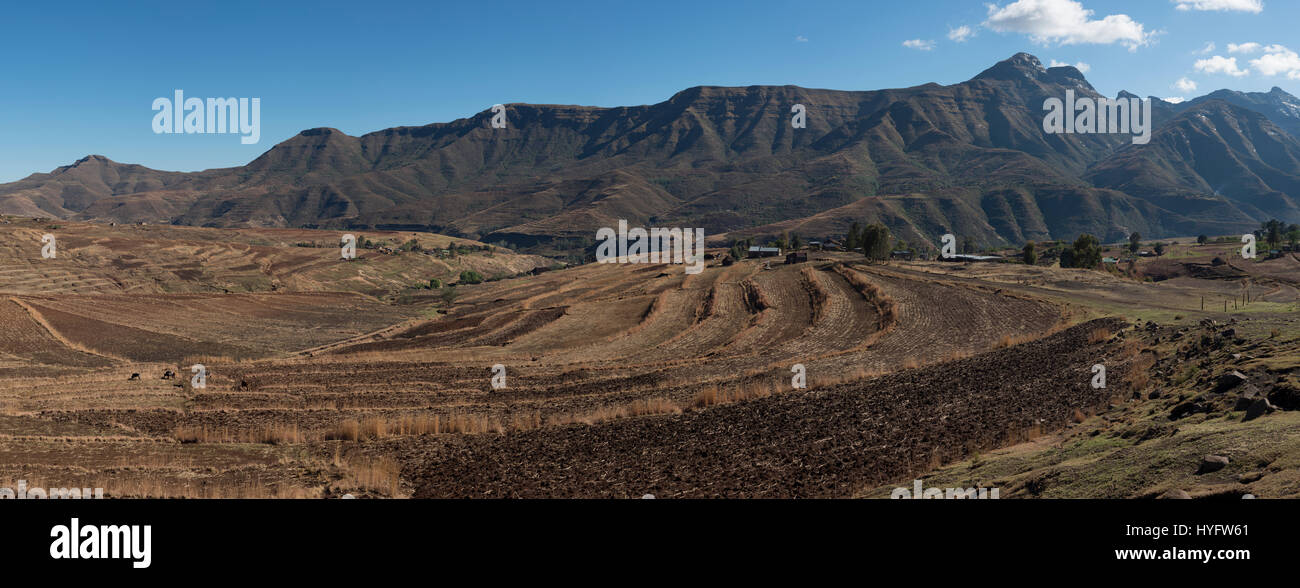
243,384
168,375
134,377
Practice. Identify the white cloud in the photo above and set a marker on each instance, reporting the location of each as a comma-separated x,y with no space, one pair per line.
919,44
1081,66
800,39
1220,65
1185,85
1209,48
1244,47
1277,60
1175,99
961,34
1255,6
1066,22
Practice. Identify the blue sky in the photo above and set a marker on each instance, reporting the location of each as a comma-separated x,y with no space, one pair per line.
79,78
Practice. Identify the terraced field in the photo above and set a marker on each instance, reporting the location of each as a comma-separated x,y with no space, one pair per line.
158,259
619,380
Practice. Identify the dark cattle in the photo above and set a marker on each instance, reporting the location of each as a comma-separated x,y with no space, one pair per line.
134,377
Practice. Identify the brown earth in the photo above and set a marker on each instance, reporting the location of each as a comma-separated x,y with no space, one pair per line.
621,380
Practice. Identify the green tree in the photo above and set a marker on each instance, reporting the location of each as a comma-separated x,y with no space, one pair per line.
1160,249
449,294
1134,242
875,242
1067,257
1293,235
737,250
854,238
1203,239
1273,230
471,277
1030,253
1086,252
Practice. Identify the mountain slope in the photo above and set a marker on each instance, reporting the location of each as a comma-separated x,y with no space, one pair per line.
969,158
1221,165
72,188
1281,108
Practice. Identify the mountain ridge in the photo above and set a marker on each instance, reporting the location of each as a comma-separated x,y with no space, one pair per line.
969,157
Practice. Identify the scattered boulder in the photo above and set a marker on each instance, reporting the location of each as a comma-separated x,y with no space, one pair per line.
1250,478
1249,394
1260,408
1285,397
1212,463
1229,381
1188,408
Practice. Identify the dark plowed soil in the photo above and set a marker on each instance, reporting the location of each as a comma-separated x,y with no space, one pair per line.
826,442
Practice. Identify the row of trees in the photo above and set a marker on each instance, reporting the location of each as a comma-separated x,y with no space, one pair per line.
1135,244
1274,232
1085,252
874,240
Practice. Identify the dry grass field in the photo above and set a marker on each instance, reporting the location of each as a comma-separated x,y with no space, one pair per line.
326,377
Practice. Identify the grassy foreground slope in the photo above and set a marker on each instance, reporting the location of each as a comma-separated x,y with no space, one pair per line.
1216,384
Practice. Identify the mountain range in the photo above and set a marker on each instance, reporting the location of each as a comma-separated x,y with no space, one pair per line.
969,158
